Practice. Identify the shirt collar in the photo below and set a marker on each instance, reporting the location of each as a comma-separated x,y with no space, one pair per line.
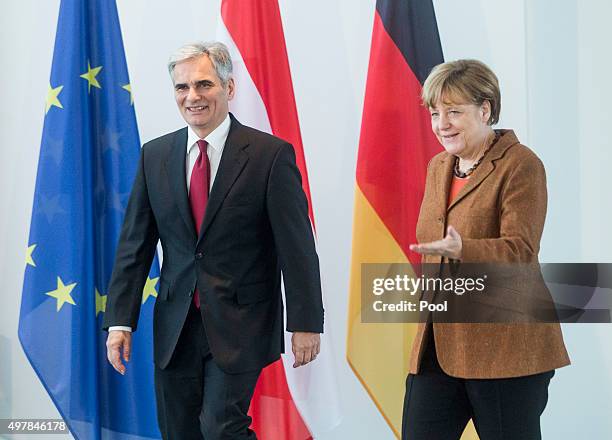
216,138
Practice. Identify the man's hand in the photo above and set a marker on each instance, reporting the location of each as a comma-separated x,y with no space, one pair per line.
305,347
450,246
118,343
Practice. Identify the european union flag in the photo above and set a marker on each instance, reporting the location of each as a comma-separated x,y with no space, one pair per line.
88,158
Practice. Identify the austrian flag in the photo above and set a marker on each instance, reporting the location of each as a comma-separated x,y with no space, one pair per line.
288,404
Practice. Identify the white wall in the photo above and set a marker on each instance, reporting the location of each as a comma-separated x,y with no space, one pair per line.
570,115
552,59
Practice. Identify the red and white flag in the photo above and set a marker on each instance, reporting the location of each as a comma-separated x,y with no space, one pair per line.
288,404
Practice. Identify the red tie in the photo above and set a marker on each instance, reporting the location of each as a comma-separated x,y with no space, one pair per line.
198,194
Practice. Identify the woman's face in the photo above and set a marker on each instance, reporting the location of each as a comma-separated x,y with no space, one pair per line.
462,129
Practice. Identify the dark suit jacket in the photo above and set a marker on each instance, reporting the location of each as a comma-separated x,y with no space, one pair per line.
256,225
500,216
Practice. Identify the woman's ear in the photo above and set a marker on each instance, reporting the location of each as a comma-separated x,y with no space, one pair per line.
485,111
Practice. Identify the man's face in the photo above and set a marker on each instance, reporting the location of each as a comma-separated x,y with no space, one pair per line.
199,94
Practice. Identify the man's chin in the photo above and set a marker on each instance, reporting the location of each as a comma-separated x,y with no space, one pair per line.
199,123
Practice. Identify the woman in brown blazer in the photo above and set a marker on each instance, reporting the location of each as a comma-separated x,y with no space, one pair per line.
484,202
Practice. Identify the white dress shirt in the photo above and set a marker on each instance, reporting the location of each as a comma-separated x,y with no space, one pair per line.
216,142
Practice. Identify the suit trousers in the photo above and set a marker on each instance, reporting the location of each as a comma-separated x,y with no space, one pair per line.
197,400
438,406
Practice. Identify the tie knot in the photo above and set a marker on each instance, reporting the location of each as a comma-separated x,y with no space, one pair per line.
202,144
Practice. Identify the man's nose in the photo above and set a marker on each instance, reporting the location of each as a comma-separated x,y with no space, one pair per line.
192,95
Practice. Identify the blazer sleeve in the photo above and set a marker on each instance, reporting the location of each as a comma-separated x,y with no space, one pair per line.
288,213
523,203
135,252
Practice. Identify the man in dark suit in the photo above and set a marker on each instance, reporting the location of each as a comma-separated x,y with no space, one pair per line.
227,204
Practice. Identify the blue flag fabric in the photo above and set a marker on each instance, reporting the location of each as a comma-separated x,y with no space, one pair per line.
88,158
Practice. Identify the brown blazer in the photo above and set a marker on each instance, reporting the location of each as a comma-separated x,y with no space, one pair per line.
500,216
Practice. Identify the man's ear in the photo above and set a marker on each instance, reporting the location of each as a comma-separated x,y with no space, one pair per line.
231,88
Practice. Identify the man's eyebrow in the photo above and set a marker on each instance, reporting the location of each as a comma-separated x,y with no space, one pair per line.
202,82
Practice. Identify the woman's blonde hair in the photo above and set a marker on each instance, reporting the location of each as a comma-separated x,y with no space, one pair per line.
463,81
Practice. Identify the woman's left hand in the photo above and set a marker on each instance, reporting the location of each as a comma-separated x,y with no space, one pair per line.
450,246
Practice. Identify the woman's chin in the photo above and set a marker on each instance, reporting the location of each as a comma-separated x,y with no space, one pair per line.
452,148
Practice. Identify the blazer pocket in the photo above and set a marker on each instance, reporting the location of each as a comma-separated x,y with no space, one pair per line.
238,201
478,216
164,290
252,293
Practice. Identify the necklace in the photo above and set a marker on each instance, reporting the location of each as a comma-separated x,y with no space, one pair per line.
462,175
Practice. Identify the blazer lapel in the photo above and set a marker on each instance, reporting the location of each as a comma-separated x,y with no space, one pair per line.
479,175
175,169
442,177
507,139
233,160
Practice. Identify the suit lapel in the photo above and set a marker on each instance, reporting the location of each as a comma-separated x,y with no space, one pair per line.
233,160
175,169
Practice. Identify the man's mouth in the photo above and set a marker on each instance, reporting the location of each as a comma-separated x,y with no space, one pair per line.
196,109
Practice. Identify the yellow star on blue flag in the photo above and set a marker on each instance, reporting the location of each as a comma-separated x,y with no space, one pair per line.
128,87
29,258
90,76
53,98
149,289
100,302
62,293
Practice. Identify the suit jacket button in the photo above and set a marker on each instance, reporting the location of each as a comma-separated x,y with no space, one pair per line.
199,256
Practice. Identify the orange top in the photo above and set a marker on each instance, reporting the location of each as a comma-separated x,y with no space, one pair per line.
456,185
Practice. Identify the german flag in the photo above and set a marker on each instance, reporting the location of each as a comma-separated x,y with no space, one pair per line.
395,146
